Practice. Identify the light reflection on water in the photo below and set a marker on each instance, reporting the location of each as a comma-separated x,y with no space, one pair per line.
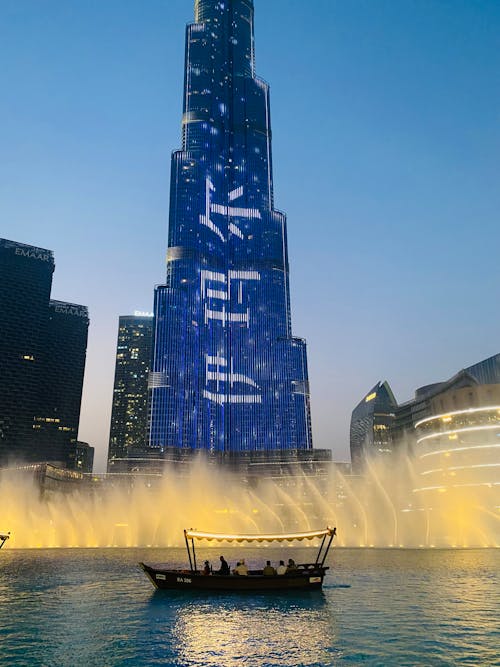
378,607
254,631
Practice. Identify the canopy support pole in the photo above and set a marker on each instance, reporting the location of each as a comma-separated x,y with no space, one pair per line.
332,535
320,549
194,554
189,552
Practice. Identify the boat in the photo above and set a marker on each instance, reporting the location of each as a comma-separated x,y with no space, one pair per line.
3,538
304,576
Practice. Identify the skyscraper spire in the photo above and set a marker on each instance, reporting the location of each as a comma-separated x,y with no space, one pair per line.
227,375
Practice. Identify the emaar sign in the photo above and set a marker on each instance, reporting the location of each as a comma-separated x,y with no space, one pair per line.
33,253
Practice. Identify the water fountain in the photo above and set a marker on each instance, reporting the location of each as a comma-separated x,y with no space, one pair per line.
383,508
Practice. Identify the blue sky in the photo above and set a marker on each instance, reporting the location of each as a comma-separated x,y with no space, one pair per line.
386,140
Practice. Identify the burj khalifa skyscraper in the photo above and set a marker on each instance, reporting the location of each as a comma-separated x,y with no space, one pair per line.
227,375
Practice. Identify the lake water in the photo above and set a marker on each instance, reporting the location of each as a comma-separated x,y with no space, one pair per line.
71,607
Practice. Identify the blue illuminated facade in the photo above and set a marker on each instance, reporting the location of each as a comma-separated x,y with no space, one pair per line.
227,374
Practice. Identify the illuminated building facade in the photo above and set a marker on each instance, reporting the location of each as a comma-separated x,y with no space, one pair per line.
461,411
460,448
227,375
433,398
371,423
42,358
130,392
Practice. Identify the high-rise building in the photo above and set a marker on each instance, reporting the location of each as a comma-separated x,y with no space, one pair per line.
227,374
130,392
42,357
25,284
58,408
371,424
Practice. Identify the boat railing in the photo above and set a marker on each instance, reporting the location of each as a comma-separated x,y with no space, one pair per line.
259,573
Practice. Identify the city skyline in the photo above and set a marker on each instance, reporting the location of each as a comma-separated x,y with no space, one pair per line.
398,123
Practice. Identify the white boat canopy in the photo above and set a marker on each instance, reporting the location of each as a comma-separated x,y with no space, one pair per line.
273,537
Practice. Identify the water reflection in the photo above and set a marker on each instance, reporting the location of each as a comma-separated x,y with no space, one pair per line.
95,608
252,630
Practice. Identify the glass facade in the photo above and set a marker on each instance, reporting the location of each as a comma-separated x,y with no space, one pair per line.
130,392
43,345
57,415
227,375
371,424
461,448
25,284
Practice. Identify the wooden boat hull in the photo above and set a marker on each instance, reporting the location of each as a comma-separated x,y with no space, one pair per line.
307,579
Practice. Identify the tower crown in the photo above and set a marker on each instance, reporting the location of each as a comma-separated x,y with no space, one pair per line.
230,25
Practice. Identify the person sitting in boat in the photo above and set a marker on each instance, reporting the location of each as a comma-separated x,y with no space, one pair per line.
207,570
281,569
241,569
269,570
224,567
291,567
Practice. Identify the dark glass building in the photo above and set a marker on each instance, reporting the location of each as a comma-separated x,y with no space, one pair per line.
57,417
371,423
227,374
130,392
25,284
84,461
42,358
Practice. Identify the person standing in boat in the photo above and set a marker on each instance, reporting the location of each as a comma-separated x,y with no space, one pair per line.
207,569
224,567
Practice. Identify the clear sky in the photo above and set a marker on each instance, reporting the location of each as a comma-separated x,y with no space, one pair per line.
386,139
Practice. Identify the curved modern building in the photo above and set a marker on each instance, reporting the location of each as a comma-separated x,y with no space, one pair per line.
227,374
461,448
451,427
